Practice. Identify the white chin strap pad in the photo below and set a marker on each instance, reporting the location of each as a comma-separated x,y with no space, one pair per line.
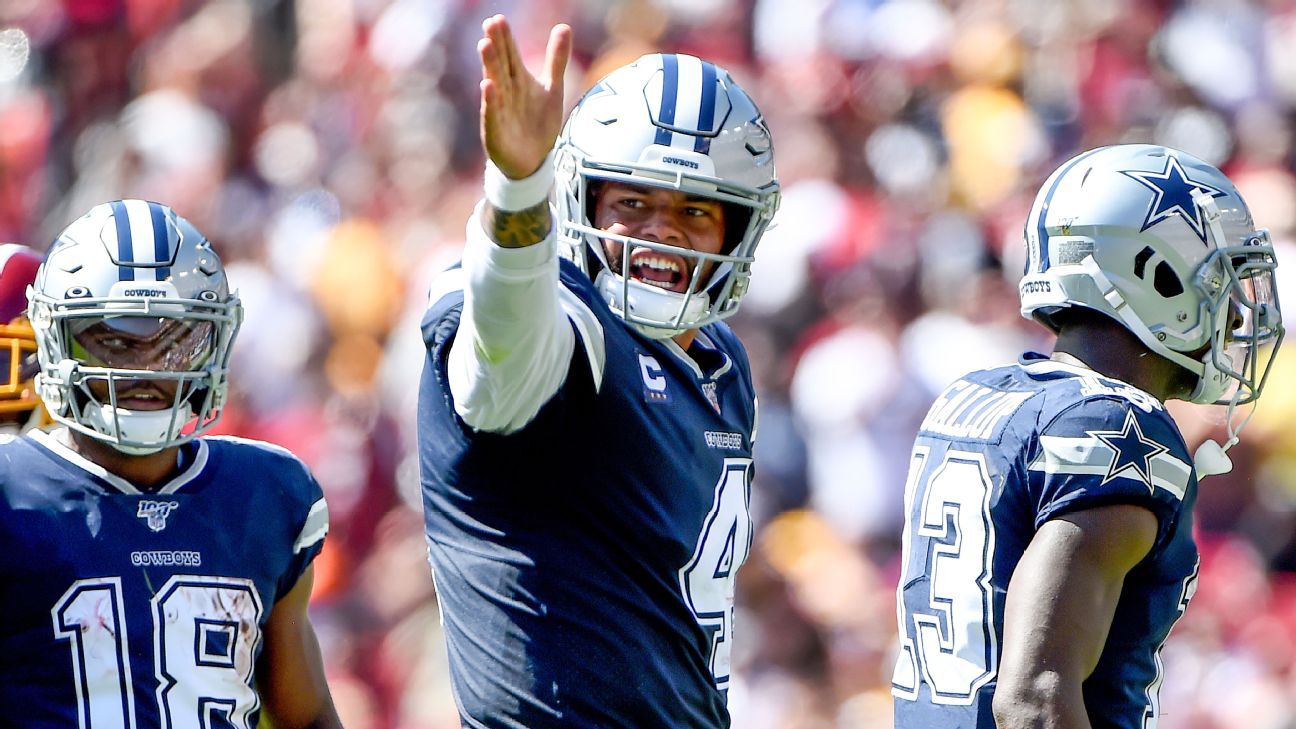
1211,459
652,310
141,431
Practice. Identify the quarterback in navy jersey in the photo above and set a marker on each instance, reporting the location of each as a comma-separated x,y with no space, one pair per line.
1048,544
153,578
586,420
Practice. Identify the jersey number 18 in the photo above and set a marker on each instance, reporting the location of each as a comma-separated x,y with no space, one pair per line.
205,630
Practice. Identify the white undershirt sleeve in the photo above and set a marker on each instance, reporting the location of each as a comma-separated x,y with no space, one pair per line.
514,346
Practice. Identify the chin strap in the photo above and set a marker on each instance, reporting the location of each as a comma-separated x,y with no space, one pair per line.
1211,457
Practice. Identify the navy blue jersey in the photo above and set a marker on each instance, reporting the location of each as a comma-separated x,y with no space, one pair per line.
585,564
1001,452
130,609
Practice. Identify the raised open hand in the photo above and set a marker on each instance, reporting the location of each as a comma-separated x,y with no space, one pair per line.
521,114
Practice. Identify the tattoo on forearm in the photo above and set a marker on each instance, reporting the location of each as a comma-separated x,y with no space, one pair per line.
518,228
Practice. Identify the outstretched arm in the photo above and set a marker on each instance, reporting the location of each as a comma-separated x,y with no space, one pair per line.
1059,609
514,345
521,116
290,673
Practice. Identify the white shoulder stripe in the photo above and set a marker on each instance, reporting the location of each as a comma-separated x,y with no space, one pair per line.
316,526
590,331
447,282
1090,456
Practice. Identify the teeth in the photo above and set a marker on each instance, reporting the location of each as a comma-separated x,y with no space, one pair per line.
658,284
658,263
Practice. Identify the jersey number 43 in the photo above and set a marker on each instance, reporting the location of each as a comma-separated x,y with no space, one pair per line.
947,637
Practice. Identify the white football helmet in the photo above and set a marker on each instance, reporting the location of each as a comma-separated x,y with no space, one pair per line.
1163,243
680,123
131,294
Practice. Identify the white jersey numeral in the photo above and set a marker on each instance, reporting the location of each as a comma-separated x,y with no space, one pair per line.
205,633
708,578
948,641
91,615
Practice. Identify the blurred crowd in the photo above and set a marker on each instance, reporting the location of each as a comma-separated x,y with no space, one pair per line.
329,149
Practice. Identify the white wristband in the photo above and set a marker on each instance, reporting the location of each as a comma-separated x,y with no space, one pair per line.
509,195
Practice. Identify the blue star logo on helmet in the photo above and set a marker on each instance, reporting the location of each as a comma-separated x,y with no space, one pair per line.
1174,190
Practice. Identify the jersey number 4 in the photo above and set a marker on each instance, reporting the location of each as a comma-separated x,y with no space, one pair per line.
947,637
708,578
205,630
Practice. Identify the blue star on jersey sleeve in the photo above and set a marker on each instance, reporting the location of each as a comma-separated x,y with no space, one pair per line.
1107,451
1130,449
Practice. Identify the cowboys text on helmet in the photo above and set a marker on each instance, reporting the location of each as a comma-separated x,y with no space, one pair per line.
674,122
134,321
1163,243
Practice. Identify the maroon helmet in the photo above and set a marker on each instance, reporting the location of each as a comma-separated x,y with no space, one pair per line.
18,365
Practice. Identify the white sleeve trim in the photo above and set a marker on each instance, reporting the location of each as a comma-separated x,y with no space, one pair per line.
1087,455
590,331
514,346
315,528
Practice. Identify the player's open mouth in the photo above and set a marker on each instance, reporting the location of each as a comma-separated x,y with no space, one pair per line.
663,270
143,398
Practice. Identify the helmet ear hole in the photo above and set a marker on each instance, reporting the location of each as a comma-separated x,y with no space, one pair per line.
1164,279
1140,261
1165,282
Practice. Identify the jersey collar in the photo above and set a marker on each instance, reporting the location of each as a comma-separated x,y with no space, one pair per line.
55,442
708,349
1039,365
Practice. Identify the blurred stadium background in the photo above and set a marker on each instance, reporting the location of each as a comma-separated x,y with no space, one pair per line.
329,148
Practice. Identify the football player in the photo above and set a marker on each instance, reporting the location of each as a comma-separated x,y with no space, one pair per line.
1048,543
586,419
153,578
20,409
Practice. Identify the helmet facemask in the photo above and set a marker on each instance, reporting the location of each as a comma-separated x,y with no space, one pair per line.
1164,244
176,348
678,123
134,322
714,283
1238,294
